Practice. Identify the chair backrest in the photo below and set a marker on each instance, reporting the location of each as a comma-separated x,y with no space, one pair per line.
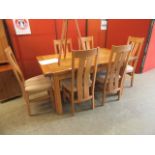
116,68
82,62
57,46
87,43
137,43
12,60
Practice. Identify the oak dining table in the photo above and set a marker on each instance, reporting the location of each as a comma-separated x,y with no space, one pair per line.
50,67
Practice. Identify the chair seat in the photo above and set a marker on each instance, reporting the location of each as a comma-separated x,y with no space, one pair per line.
101,77
67,84
129,69
37,84
36,79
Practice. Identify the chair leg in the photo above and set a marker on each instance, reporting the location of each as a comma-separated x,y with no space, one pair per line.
93,102
26,96
119,94
103,97
122,86
121,91
72,106
132,79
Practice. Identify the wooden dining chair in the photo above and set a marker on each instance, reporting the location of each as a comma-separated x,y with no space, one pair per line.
57,46
32,86
86,43
137,43
80,87
111,81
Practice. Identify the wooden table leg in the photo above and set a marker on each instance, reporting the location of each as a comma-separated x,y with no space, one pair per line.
57,95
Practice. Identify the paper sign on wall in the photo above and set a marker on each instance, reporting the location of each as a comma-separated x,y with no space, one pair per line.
104,24
21,26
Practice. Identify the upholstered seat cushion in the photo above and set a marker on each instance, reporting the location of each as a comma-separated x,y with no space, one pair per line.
36,79
129,69
67,84
101,77
37,84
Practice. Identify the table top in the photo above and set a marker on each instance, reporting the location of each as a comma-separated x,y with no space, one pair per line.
65,64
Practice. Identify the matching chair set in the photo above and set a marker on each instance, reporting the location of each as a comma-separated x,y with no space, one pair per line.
80,87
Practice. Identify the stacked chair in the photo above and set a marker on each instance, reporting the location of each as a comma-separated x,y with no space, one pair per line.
86,43
57,45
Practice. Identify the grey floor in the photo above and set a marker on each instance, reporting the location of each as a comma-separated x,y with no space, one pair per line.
133,114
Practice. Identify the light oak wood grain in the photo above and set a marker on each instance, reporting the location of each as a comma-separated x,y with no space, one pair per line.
63,71
80,87
66,46
30,86
113,78
86,43
137,43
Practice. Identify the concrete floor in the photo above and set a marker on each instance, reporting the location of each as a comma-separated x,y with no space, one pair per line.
133,114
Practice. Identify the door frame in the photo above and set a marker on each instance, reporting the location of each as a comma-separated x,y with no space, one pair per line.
147,44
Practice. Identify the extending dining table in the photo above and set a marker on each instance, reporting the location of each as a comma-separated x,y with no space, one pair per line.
50,67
